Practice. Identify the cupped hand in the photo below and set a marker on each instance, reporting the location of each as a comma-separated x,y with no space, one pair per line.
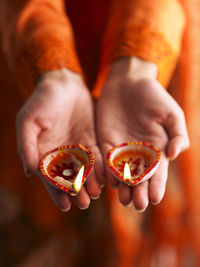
135,107
60,111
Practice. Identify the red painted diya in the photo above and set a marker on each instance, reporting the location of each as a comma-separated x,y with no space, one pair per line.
67,167
133,162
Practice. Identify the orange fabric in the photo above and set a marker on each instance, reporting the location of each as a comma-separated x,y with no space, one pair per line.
126,227
189,80
148,29
40,40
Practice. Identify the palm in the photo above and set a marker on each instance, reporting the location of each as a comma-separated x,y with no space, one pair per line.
65,118
58,113
136,111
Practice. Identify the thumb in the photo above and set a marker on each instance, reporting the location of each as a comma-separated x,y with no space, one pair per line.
27,144
178,135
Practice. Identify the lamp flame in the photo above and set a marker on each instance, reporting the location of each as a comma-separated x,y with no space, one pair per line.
127,173
78,181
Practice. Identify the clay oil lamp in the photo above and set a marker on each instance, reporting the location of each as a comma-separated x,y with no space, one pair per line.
67,167
133,162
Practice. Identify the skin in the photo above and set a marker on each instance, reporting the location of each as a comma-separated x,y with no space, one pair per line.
135,107
60,111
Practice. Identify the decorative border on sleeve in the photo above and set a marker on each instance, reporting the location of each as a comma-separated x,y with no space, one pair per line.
47,53
142,41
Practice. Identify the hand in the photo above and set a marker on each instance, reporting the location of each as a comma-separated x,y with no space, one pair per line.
134,106
60,111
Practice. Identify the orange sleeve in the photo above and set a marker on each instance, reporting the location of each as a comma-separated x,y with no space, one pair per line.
151,30
38,37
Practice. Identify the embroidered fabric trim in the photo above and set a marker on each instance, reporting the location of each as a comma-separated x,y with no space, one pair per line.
44,54
140,40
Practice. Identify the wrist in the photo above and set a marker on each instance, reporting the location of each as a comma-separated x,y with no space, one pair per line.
62,75
133,68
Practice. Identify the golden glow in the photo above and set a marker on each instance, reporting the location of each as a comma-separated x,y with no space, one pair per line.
127,173
78,181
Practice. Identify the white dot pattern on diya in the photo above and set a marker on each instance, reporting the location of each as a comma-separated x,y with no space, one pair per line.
67,172
61,166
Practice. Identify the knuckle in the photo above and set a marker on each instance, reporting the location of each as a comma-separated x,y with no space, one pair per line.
187,143
20,117
180,113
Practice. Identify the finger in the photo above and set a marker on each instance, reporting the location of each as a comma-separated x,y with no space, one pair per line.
27,142
140,196
125,194
99,166
82,200
176,146
111,179
60,198
178,135
93,187
157,183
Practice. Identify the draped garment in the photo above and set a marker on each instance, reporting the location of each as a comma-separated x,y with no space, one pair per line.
86,37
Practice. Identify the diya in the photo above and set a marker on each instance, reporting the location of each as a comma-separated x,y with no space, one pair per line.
67,167
133,162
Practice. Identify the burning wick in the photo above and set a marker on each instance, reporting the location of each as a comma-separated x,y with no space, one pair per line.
75,186
78,181
127,173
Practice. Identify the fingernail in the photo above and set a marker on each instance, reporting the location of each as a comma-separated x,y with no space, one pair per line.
95,197
155,203
128,205
141,211
172,158
66,210
27,173
84,208
176,153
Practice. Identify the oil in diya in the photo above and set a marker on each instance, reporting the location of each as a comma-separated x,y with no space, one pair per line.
67,167
133,162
